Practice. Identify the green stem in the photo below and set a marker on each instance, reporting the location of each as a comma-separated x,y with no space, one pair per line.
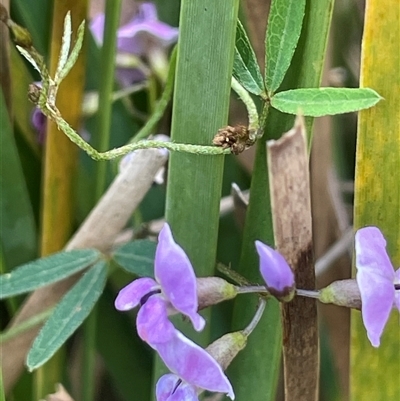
162,103
2,395
254,125
25,325
108,52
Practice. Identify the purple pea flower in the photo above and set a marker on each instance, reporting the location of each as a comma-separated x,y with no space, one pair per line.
375,278
194,369
142,36
276,272
171,388
174,288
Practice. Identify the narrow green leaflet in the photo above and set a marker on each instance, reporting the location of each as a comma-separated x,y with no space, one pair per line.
283,32
137,257
245,66
68,315
324,101
41,272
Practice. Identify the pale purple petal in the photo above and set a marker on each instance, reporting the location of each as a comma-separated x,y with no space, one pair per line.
274,269
371,252
152,322
397,292
134,36
375,278
170,388
174,272
129,76
377,297
97,28
129,297
193,364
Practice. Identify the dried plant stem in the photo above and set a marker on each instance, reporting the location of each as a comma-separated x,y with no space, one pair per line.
99,231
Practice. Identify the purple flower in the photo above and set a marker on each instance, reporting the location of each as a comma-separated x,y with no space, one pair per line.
376,278
171,388
194,369
276,273
142,35
174,289
189,362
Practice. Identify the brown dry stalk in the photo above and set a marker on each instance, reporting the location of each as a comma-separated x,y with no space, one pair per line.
99,230
291,211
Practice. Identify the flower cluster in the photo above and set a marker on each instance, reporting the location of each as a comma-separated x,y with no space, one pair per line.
173,291
143,36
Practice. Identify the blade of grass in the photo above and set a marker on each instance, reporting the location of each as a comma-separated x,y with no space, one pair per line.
36,17
5,74
201,100
108,53
374,373
17,228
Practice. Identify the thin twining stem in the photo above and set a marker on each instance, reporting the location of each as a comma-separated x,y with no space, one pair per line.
256,318
260,289
307,293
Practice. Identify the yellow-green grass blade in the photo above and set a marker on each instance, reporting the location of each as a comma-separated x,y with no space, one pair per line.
374,372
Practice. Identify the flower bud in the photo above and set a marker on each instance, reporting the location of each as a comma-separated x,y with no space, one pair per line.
276,273
227,347
342,293
213,290
22,37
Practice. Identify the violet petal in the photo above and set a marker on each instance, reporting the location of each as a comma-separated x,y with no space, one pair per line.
134,36
174,272
170,388
193,364
97,28
129,297
377,297
274,269
375,277
152,322
371,252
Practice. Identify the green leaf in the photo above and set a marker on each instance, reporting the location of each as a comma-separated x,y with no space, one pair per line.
17,228
245,66
317,102
137,257
283,32
45,271
68,315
